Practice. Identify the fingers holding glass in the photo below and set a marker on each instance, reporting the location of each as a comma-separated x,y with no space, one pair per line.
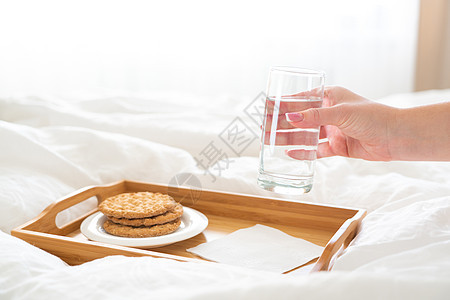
288,105
291,138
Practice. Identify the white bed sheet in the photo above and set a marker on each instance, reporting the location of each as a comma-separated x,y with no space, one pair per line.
51,147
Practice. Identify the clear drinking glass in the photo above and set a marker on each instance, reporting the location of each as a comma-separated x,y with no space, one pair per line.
289,90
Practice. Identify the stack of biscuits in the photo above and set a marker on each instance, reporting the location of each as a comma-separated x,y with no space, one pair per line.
142,214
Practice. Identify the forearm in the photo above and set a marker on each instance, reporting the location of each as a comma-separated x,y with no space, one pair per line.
421,133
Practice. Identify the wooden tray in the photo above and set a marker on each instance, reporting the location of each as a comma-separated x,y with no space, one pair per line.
329,226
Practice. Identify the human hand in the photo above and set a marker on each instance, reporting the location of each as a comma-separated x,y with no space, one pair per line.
354,126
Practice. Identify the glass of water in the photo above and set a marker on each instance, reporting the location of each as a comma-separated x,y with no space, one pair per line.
289,90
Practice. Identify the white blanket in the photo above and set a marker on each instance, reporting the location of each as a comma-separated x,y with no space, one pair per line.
53,146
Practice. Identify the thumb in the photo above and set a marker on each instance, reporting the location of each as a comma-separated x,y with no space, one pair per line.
315,117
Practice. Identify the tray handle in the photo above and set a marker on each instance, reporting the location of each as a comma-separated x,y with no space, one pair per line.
46,220
338,242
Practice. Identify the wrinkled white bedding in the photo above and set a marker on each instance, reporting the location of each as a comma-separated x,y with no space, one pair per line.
53,146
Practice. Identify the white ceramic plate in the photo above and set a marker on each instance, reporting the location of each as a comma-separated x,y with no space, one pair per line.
193,222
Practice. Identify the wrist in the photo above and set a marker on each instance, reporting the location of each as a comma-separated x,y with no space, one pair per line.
420,133
396,141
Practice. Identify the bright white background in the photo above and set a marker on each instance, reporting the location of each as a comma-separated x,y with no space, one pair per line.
204,48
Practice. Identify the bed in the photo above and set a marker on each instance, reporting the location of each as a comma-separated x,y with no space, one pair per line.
52,146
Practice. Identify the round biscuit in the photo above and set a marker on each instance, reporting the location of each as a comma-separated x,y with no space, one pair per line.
137,205
171,215
142,231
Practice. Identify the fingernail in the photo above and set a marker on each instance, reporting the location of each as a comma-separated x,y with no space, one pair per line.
294,117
